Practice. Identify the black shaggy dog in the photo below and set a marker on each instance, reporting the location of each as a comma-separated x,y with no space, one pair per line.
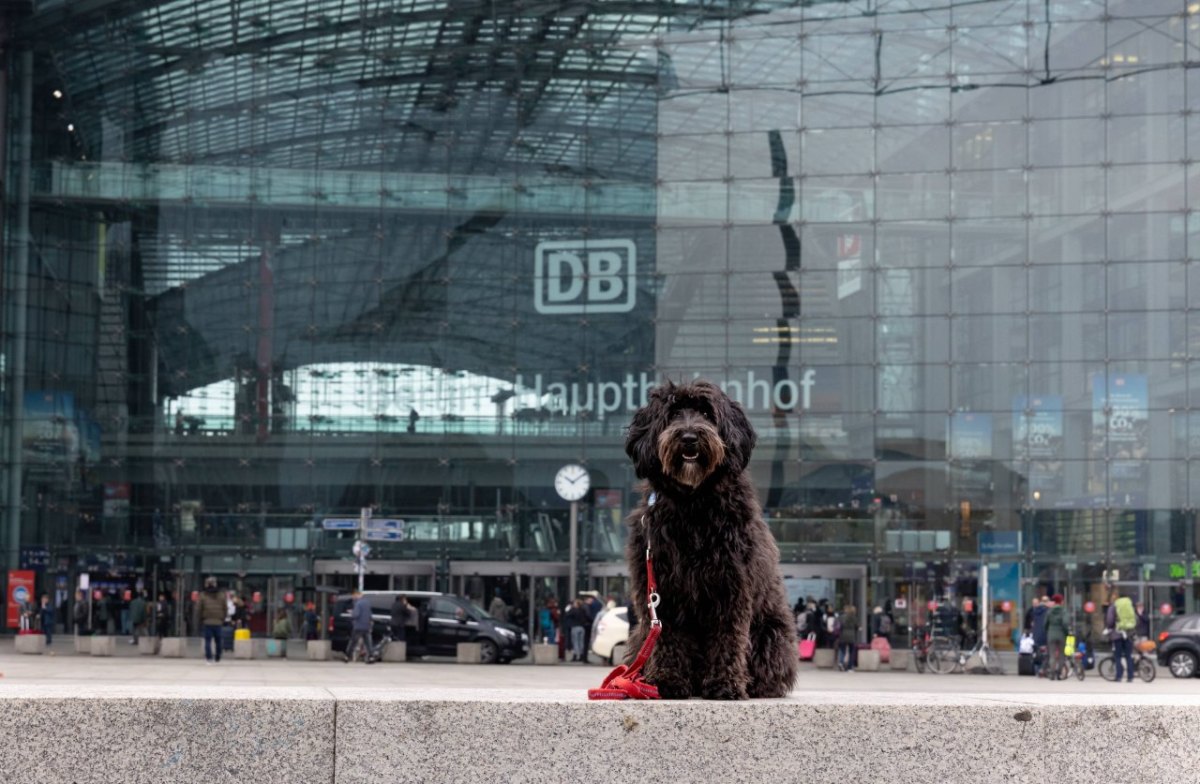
728,632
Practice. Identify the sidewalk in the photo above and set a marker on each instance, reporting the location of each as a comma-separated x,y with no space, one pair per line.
127,668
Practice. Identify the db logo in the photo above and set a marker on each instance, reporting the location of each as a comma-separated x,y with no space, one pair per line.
20,594
585,276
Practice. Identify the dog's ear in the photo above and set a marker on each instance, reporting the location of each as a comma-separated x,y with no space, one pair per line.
736,431
641,440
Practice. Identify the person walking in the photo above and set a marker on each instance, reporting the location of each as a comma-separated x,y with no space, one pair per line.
573,626
1121,623
401,612
47,618
80,614
881,625
100,617
1056,633
137,617
360,629
311,622
213,612
282,631
498,609
847,638
162,616
1037,630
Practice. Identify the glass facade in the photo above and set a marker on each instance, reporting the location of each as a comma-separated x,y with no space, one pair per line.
268,263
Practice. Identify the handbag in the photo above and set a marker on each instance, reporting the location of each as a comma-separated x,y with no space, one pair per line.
884,647
808,646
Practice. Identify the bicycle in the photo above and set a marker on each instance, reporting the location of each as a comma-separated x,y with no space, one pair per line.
1143,665
1071,665
920,647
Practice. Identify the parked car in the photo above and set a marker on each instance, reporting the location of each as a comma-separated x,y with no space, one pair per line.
610,634
443,621
1179,646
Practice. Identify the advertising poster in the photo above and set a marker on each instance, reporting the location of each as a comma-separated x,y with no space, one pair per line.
1038,440
20,589
1120,431
49,433
116,500
971,436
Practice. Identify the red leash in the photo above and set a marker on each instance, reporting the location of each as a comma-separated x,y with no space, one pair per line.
627,683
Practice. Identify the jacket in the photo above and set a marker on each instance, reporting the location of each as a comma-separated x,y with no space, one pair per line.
282,629
1038,625
137,611
849,628
212,607
1056,625
81,612
361,615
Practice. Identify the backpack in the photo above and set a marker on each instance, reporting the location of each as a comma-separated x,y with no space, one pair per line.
801,622
885,624
1126,616
833,625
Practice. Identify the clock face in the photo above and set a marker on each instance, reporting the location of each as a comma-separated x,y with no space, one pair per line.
572,482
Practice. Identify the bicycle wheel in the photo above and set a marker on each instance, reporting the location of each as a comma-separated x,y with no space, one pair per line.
1107,668
943,660
1146,669
919,660
1080,672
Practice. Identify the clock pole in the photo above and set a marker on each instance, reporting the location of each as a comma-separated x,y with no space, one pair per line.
572,587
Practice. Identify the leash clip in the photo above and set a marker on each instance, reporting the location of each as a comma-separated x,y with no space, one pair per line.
653,604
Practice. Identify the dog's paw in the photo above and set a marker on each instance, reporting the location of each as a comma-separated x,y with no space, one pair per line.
722,690
671,688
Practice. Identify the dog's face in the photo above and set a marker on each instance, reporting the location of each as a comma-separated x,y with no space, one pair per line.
687,433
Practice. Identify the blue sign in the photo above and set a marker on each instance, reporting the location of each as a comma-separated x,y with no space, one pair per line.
385,530
35,557
1000,543
340,523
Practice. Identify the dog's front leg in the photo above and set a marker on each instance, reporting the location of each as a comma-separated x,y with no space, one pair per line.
670,668
726,672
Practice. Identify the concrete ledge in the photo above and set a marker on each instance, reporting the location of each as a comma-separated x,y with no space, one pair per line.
545,654
247,734
823,658
900,659
147,646
31,643
103,646
868,661
319,650
395,651
160,734
173,648
83,644
250,649
922,737
470,653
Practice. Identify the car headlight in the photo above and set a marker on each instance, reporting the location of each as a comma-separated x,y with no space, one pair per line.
506,633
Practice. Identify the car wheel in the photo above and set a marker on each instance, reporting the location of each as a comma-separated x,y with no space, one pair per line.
1182,664
488,652
618,655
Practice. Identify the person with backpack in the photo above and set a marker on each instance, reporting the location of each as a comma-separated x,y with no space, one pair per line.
881,625
846,633
1121,623
1056,633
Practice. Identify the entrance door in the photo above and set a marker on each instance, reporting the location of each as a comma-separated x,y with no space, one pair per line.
525,586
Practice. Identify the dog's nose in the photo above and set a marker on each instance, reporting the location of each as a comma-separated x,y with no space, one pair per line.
690,439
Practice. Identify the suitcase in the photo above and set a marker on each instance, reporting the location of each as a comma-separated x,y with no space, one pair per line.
1025,664
807,647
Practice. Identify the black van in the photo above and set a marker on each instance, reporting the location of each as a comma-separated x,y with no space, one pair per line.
443,621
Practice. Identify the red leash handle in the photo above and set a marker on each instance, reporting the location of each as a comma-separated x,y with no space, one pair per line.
627,683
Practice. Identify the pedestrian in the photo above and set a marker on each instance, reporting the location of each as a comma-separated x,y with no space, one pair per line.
592,607
360,628
100,619
137,617
162,616
282,631
47,619
498,609
847,638
573,623
311,622
1120,623
548,621
1027,627
1056,633
213,612
401,612
881,625
80,614
1037,629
